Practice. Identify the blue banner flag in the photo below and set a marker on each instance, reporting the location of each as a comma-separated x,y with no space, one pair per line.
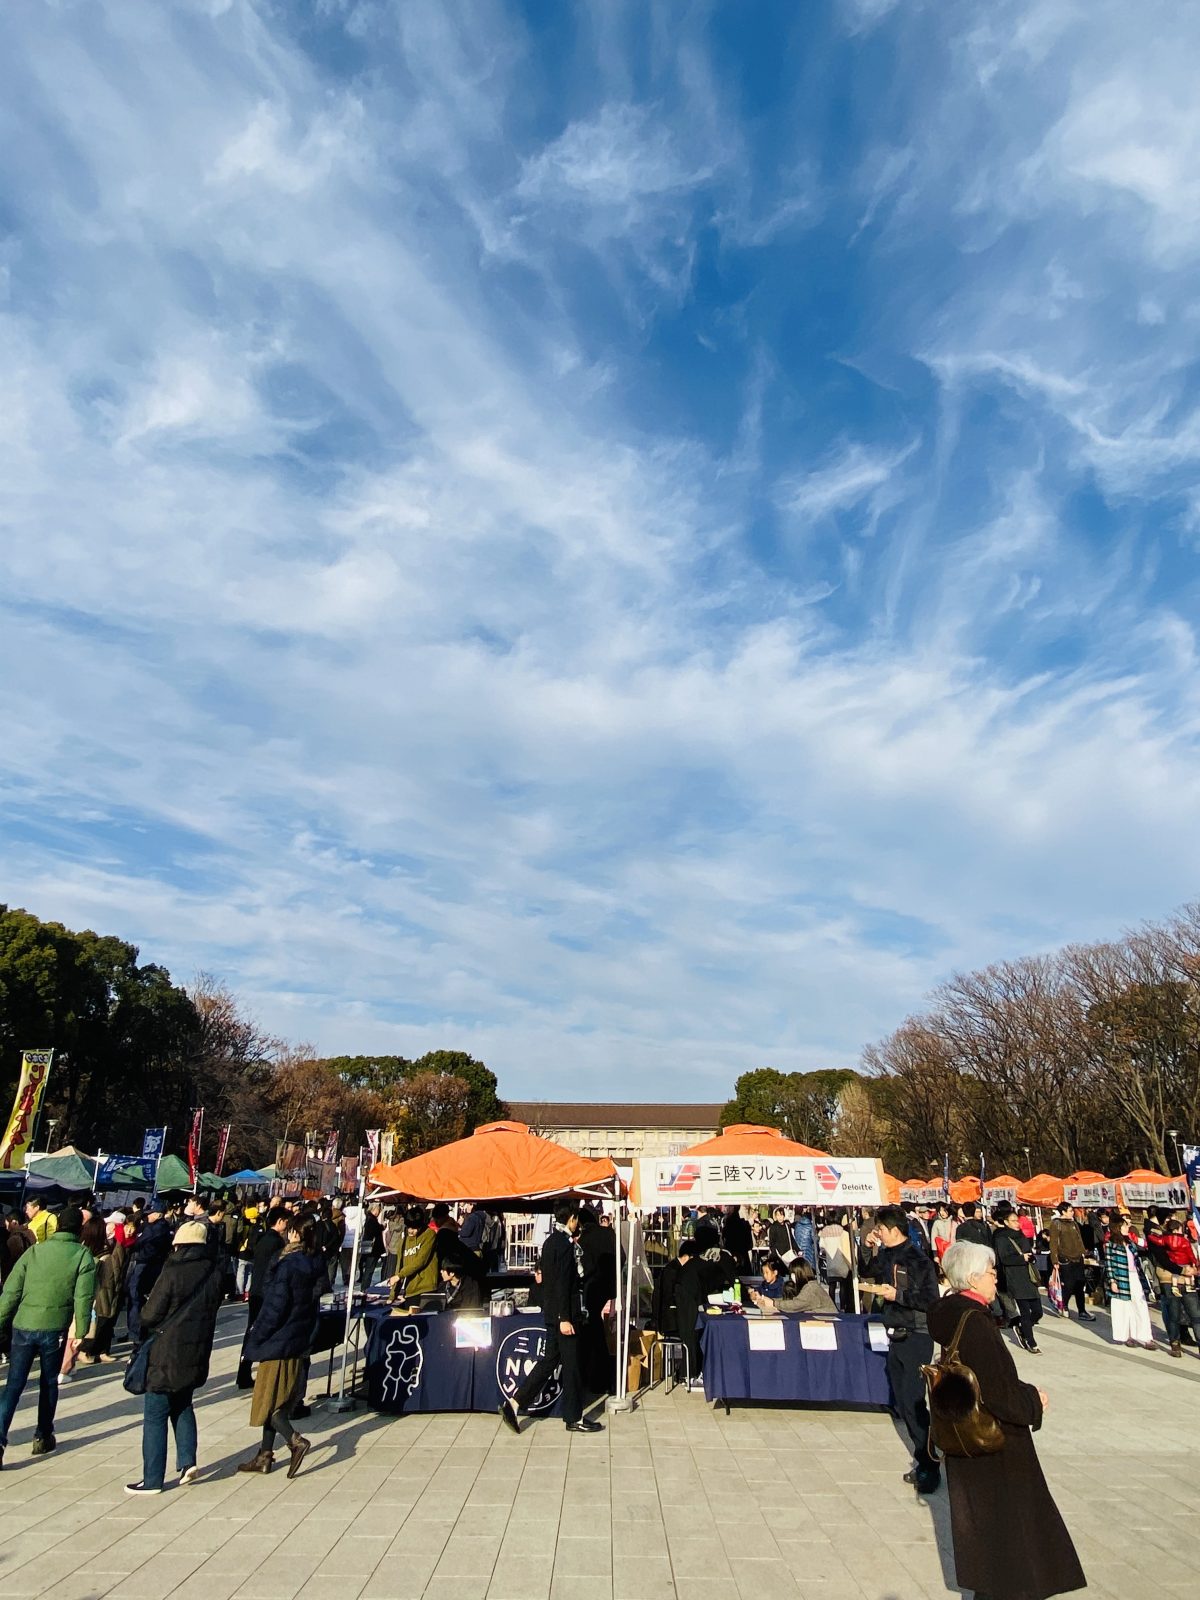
946,1174
153,1141
1191,1170
982,1174
130,1167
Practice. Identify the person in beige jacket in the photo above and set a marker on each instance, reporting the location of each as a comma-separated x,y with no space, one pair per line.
809,1295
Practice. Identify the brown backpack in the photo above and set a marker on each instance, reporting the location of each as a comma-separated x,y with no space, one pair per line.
959,1423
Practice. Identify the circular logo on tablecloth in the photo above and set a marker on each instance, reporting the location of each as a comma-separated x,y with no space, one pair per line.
518,1354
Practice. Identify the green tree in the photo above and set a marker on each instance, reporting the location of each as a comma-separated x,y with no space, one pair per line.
387,1076
803,1105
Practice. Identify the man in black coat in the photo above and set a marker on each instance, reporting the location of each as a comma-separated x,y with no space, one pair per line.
905,1279
183,1305
562,1307
146,1258
680,1294
598,1247
266,1247
972,1229
737,1237
452,1252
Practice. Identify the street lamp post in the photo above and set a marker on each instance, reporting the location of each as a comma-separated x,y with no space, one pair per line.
1173,1135
1028,1163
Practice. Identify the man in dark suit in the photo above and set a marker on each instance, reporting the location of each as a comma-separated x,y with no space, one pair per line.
562,1307
150,1250
905,1280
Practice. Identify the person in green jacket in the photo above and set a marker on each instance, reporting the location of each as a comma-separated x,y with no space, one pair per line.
52,1284
417,1269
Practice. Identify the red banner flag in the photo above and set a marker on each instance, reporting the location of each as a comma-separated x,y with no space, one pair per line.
194,1144
222,1147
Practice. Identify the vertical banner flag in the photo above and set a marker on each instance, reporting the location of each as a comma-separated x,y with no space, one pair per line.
946,1176
1191,1171
387,1148
194,1144
154,1142
982,1174
31,1089
374,1135
222,1147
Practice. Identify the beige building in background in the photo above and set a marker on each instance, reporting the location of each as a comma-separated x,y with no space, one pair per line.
621,1132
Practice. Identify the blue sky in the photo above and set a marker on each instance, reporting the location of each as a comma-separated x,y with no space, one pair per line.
630,539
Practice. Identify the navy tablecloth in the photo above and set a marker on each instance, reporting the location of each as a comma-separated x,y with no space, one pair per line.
413,1364
853,1373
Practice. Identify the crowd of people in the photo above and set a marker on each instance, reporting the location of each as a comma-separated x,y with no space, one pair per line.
144,1284
922,1270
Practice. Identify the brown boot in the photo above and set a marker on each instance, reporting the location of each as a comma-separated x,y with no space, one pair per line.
262,1462
299,1446
1176,1349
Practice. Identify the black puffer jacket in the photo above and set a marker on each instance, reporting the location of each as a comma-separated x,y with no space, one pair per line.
180,1354
287,1323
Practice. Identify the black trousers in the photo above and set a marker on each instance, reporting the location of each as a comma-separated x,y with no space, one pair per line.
562,1350
1029,1312
1073,1277
100,1342
905,1359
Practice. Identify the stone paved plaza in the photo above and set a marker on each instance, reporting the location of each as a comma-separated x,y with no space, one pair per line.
674,1499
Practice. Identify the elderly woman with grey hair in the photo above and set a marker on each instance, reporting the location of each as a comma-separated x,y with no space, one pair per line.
993,1496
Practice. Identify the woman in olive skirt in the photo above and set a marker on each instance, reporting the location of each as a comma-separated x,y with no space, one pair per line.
280,1341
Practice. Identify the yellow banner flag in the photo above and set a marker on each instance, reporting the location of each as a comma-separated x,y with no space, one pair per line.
35,1069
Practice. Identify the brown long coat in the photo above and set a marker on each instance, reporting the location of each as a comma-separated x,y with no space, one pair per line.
1010,1542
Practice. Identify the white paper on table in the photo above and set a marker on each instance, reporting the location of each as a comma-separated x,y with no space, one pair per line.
472,1333
818,1336
766,1335
877,1334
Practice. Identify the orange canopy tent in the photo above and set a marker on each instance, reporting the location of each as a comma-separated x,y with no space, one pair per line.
1085,1177
751,1139
1042,1190
1143,1175
891,1189
1004,1181
964,1189
499,1161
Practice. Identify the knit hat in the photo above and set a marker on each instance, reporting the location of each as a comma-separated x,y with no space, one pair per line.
191,1233
70,1219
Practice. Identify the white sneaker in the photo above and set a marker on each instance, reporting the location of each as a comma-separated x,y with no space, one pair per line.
140,1488
696,1386
188,1475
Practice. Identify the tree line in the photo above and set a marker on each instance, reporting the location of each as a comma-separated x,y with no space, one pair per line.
133,1049
1087,1058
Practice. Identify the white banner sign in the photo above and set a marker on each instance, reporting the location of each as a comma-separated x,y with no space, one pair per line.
759,1180
1090,1194
930,1194
995,1193
1174,1195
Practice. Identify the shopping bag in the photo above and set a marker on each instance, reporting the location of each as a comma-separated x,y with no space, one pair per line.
1054,1290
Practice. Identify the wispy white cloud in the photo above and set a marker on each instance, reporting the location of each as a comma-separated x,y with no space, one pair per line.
395,613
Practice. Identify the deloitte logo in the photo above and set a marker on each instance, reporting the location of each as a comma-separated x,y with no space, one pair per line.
519,1352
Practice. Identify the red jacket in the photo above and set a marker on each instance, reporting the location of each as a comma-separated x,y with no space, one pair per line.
1173,1250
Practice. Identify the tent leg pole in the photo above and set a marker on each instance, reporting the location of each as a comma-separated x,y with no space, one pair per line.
623,1400
345,1404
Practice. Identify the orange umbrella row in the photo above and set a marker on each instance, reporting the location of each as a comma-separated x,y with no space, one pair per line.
1041,1190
